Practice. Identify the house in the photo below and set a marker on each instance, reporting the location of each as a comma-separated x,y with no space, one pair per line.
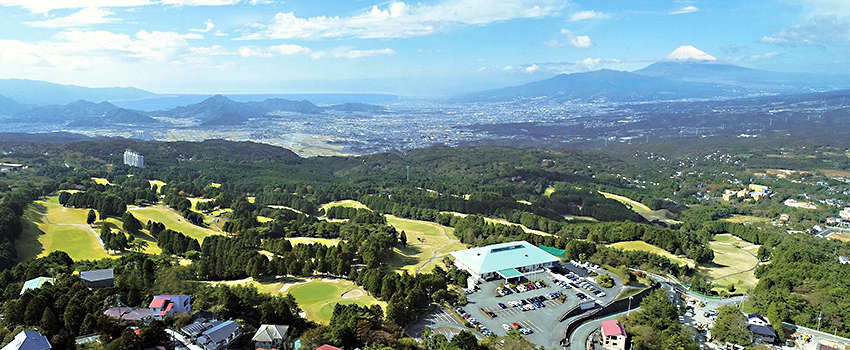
128,313
220,336
613,335
168,305
825,347
784,217
762,334
758,320
328,347
843,259
98,278
270,336
4,167
36,283
27,340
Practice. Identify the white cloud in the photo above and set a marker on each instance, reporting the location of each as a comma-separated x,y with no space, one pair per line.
561,67
686,9
818,30
219,33
532,69
579,41
289,50
584,15
200,2
400,20
82,18
209,26
44,6
764,56
260,2
348,52
253,52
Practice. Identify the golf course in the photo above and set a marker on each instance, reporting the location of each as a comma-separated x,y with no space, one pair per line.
427,244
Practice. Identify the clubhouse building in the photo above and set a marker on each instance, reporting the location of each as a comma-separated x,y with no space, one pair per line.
505,260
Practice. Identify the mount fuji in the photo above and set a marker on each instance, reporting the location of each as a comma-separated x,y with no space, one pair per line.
689,64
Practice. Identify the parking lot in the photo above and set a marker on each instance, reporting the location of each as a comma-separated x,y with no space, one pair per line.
546,330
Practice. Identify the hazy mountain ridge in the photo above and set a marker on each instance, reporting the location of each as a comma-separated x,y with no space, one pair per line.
44,93
81,113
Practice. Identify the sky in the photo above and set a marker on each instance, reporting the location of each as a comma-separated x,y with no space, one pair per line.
431,47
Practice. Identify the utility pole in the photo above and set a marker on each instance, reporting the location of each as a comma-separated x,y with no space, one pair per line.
630,307
408,173
819,314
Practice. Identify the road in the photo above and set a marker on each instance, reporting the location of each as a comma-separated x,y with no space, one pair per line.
578,340
438,251
182,340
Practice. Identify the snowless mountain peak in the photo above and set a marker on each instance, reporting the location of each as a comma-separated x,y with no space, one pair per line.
688,53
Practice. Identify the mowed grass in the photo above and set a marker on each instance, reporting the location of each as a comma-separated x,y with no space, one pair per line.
734,263
318,297
158,185
172,220
548,192
313,240
643,246
427,244
348,203
66,232
746,219
639,207
101,181
841,236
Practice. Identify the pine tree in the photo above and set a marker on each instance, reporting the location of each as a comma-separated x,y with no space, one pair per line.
91,217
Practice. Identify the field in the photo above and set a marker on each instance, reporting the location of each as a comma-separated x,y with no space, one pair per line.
835,173
734,262
747,219
348,203
312,240
49,227
506,222
101,181
640,208
172,220
316,297
158,184
427,244
643,246
841,236
549,191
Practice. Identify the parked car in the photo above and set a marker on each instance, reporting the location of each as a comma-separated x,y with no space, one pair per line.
502,306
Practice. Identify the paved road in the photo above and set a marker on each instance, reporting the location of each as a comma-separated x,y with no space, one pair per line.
578,340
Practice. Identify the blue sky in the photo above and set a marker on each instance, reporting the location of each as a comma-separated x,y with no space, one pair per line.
428,47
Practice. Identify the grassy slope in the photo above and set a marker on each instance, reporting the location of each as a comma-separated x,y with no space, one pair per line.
425,240
40,238
734,261
639,207
309,240
172,220
643,246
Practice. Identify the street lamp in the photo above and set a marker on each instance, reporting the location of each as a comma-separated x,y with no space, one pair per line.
630,307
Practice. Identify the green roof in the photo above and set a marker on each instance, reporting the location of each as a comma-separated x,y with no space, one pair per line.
554,251
503,256
510,273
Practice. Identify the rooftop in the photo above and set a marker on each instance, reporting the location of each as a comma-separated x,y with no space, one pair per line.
36,283
97,275
613,327
270,332
27,340
503,256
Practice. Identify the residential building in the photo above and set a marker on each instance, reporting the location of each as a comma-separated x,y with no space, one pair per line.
784,217
843,259
220,336
758,320
762,334
28,340
613,335
757,192
98,278
128,313
36,283
168,305
845,213
134,159
4,167
270,336
506,260
328,347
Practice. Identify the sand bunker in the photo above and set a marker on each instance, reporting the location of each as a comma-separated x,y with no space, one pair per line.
354,293
286,286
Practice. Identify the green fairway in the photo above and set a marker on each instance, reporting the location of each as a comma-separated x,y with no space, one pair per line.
158,185
640,208
312,240
549,191
101,181
348,203
747,219
734,262
172,220
643,246
427,244
63,229
318,297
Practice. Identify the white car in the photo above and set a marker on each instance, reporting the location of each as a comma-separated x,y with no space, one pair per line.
507,327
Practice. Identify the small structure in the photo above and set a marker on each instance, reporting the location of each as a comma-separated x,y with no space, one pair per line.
784,217
220,336
4,167
843,259
98,278
36,283
270,336
168,305
825,347
28,340
757,192
613,335
128,313
756,319
134,159
328,347
505,260
762,334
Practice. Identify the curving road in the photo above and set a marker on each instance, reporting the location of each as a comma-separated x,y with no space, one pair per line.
438,251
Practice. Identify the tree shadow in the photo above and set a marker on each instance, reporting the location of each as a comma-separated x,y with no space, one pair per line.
713,265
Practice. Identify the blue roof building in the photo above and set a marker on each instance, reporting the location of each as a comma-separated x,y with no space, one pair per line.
27,340
505,260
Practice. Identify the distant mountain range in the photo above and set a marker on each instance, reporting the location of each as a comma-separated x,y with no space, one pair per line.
216,110
686,73
43,93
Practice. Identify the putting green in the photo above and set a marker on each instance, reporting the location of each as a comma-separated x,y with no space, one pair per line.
318,297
